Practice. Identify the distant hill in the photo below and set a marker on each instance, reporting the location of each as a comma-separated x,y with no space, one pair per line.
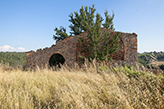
149,58
14,59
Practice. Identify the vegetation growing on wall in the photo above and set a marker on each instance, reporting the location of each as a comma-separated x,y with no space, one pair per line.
83,21
87,20
98,46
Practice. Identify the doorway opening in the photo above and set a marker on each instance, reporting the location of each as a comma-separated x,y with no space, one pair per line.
56,60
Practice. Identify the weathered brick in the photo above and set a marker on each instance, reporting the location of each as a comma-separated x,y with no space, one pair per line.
69,50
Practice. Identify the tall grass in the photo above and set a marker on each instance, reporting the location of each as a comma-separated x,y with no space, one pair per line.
121,87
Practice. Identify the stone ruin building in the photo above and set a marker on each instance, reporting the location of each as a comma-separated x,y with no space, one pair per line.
67,51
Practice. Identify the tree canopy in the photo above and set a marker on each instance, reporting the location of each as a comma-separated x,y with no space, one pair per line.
83,21
97,45
14,59
94,45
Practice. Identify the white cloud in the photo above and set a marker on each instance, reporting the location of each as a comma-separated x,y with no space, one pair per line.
11,49
21,49
7,48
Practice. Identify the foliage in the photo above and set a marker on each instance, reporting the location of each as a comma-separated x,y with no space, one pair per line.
97,46
60,34
14,59
142,60
146,58
160,55
111,88
108,21
152,60
80,22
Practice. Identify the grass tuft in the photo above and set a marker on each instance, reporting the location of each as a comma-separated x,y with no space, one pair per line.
119,87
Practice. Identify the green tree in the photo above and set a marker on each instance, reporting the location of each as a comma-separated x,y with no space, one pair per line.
97,46
14,59
108,21
60,34
94,45
83,21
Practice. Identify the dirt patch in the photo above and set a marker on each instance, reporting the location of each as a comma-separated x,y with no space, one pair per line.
157,63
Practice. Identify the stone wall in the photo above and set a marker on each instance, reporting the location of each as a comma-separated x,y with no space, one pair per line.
68,49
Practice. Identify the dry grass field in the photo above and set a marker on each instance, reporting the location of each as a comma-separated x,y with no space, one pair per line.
75,88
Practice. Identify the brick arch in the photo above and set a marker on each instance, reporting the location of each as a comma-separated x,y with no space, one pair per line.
47,63
120,55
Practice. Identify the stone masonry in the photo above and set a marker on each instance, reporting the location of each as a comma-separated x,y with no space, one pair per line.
127,53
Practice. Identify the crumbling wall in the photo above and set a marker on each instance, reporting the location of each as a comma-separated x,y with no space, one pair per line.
68,49
41,57
127,54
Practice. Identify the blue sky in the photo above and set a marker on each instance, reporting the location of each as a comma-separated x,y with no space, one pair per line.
28,24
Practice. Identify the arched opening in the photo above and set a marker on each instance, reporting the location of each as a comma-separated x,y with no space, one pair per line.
119,55
56,60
